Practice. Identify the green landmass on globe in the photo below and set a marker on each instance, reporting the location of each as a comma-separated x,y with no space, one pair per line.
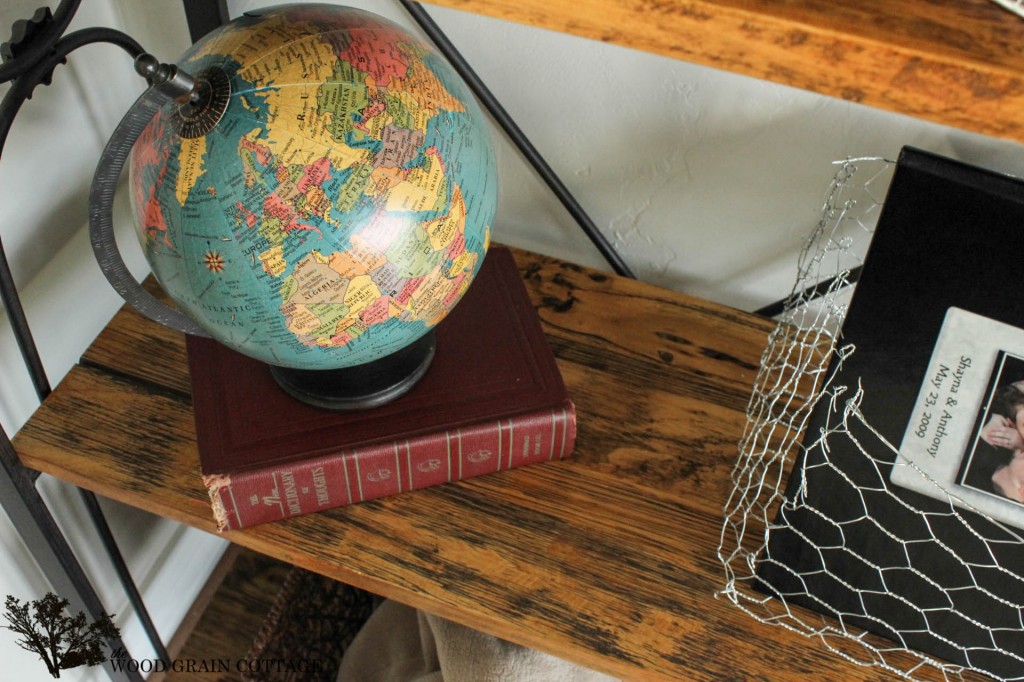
341,205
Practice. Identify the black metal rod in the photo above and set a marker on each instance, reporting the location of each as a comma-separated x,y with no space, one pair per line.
203,16
22,332
37,528
99,520
517,136
29,76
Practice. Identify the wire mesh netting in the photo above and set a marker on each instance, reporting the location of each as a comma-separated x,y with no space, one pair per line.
875,621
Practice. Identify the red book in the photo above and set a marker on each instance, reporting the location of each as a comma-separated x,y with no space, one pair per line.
493,399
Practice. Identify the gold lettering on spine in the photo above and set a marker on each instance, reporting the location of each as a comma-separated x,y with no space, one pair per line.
291,494
323,498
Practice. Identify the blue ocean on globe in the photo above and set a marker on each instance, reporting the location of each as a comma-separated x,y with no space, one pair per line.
338,208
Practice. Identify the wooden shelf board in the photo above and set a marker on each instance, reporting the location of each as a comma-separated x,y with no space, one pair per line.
607,559
954,62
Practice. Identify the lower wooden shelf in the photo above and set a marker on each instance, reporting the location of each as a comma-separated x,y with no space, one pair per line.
227,617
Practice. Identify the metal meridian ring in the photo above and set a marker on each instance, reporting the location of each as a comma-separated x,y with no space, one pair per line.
101,216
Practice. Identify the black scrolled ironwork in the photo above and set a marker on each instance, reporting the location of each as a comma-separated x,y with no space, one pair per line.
36,48
32,39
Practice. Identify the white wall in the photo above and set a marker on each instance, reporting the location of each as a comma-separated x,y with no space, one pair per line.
707,182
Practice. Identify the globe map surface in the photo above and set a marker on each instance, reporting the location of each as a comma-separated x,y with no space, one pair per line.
341,205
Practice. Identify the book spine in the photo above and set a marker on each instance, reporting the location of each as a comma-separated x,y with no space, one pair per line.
253,497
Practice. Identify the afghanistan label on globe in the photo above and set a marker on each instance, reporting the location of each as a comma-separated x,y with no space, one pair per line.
342,203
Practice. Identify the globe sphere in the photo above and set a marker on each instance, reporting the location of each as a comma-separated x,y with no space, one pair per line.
326,198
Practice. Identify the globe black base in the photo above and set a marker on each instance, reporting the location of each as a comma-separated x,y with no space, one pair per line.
361,387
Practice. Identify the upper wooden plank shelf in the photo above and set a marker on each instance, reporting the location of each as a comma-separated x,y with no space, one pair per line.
954,62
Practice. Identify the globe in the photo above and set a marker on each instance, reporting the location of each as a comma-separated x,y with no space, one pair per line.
326,199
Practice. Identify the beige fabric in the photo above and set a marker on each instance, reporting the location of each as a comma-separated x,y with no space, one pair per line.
400,644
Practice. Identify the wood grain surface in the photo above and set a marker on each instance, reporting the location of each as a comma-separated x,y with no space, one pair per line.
230,622
607,559
955,62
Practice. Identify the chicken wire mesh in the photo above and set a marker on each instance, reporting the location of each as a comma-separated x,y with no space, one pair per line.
804,353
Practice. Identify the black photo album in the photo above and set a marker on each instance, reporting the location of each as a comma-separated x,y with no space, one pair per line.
898,543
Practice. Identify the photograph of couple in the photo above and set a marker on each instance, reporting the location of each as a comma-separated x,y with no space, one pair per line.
994,463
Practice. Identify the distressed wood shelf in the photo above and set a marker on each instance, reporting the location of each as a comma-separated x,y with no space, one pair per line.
955,62
607,559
